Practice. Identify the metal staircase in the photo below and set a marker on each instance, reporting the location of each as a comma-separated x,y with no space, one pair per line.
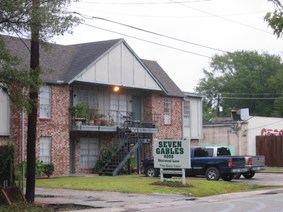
130,141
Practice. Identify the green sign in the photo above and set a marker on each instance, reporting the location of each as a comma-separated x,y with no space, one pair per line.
173,154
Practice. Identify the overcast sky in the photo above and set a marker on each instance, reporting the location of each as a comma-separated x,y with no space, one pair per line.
195,29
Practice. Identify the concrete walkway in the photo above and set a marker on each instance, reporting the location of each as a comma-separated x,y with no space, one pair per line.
106,201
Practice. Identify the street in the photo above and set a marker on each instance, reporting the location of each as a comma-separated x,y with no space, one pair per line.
269,201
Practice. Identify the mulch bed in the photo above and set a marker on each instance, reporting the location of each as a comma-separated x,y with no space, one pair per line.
171,184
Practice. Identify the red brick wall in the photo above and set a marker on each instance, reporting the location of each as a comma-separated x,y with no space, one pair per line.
16,132
156,105
57,127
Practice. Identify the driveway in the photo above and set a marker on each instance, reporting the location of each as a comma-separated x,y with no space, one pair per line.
115,201
265,179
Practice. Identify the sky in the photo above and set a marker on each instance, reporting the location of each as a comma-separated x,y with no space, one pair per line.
182,36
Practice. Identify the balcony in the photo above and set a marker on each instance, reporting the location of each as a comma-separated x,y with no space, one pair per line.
98,120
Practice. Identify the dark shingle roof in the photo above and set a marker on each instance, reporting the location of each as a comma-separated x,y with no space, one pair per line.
168,84
64,63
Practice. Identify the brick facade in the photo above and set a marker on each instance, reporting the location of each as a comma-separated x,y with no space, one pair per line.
58,128
174,130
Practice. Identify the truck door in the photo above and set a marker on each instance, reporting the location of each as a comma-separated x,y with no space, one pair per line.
198,160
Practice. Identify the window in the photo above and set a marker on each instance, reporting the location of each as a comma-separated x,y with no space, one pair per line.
89,153
200,152
88,98
45,149
167,110
45,102
186,113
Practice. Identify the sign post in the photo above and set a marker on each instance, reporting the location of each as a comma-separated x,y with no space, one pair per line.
171,156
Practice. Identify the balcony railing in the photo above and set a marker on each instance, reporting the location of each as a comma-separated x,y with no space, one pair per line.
109,120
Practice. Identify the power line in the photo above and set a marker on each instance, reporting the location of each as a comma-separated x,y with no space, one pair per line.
150,32
221,17
141,3
251,98
148,41
253,94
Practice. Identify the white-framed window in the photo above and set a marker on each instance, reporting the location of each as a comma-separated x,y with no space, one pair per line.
89,152
45,150
89,98
187,110
167,110
45,102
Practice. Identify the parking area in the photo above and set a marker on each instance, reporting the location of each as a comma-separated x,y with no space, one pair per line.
265,179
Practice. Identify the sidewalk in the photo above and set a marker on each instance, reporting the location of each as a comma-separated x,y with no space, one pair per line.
102,201
106,201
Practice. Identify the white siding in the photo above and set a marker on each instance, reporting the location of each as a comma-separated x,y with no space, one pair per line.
101,70
4,114
115,65
127,67
194,130
119,67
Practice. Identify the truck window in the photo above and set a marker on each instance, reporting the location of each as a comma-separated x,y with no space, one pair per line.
200,152
223,151
210,152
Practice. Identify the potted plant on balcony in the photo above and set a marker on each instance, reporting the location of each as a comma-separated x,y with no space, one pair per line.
92,114
79,113
98,119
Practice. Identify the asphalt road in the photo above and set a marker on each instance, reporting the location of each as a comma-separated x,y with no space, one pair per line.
125,202
266,179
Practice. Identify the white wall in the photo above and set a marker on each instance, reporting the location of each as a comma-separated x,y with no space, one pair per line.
195,129
255,124
4,114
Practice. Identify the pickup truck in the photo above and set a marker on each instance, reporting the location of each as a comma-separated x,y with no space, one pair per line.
202,163
253,163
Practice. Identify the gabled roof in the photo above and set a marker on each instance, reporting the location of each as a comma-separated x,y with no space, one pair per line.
65,62
171,88
62,62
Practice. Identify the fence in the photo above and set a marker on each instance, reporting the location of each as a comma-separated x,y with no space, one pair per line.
272,148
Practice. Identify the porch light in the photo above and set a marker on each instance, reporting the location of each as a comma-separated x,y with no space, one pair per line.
116,88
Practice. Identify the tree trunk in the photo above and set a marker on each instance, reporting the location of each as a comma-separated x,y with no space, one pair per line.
32,117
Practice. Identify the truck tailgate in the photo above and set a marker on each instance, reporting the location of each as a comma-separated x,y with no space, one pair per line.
238,161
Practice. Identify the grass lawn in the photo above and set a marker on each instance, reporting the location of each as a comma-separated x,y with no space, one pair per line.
273,169
145,185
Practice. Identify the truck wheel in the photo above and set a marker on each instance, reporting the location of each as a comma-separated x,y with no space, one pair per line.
237,176
151,172
212,173
227,177
249,175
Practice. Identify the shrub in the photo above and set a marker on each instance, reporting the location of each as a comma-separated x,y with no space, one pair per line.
48,169
7,174
103,159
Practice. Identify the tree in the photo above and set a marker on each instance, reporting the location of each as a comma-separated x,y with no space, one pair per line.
10,75
41,20
243,79
275,19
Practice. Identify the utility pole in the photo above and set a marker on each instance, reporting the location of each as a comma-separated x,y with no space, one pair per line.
33,98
